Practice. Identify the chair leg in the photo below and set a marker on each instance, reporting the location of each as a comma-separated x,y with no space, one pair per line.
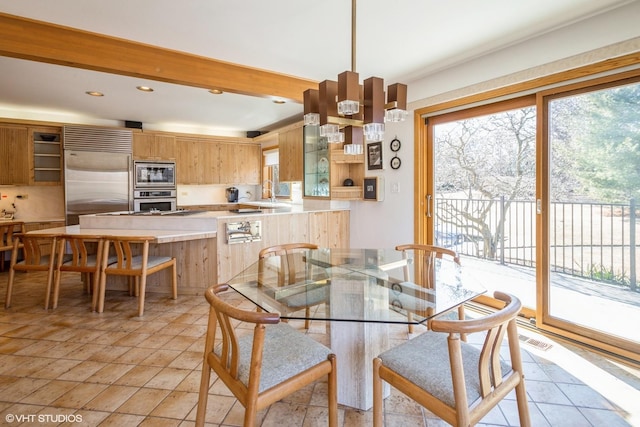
333,393
307,314
203,395
7,299
377,394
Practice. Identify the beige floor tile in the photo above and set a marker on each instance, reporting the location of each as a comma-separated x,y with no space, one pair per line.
110,373
143,401
138,376
120,420
49,392
168,378
178,404
160,357
82,371
78,396
111,398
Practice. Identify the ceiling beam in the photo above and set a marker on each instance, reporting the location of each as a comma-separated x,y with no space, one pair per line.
55,44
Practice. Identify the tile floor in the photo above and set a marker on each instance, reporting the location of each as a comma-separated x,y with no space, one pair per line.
74,367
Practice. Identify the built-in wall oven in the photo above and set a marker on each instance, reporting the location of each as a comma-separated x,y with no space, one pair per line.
154,200
154,186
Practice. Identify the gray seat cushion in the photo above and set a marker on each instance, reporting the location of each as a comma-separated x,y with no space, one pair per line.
286,353
424,360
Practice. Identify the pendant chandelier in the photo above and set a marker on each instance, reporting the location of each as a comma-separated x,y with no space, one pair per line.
359,110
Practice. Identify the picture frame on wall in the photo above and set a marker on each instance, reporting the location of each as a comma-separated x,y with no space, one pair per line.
374,155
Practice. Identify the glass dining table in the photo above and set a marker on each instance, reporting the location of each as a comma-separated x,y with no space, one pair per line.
359,293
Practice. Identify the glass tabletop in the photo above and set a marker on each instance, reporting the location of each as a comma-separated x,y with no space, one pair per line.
355,285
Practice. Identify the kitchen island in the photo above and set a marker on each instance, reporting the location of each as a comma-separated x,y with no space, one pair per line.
199,241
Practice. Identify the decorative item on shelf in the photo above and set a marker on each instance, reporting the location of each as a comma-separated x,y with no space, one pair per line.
374,155
353,149
321,109
373,188
348,182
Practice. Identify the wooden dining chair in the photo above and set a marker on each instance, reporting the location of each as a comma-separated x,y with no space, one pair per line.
458,382
264,366
7,230
39,255
83,254
287,272
133,260
424,261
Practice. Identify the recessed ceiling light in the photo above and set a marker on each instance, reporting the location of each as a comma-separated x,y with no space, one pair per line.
216,91
94,93
278,101
145,88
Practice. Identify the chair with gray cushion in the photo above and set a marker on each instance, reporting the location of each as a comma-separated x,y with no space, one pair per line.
455,380
264,366
424,258
286,273
133,260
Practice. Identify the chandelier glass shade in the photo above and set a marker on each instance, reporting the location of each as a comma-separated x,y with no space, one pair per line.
346,103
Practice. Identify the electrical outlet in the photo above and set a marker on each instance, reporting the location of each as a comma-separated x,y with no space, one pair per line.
395,187
22,196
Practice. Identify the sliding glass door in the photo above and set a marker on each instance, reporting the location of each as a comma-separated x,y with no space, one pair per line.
592,135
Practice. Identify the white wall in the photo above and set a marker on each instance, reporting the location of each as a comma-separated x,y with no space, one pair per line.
389,223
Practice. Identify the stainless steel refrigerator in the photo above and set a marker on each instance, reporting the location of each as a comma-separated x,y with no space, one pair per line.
97,171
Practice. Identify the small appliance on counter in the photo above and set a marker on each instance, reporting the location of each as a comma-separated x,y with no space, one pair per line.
232,194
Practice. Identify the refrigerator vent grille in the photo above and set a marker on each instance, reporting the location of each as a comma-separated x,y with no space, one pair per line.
98,139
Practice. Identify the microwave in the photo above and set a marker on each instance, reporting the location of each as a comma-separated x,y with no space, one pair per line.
154,175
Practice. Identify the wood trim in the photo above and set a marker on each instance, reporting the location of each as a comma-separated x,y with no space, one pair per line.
55,44
536,83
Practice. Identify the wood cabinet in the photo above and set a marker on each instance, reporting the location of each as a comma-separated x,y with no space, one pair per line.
46,155
240,164
202,161
290,148
14,155
153,146
30,155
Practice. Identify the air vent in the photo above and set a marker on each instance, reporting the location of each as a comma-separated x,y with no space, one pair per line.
534,342
86,138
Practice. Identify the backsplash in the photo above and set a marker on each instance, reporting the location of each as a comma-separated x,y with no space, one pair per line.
42,203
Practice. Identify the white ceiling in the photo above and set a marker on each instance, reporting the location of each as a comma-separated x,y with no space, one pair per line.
401,41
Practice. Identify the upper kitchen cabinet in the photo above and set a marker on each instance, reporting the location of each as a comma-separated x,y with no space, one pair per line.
316,163
290,149
240,163
46,155
327,169
153,146
14,155
202,161
30,155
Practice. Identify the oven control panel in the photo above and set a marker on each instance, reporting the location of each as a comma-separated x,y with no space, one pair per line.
244,232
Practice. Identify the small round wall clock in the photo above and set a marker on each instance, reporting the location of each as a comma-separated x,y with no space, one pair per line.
395,162
395,145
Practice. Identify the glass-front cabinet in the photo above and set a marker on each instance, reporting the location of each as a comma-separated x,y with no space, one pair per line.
316,163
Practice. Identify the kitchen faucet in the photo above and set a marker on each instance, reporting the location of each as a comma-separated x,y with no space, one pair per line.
273,194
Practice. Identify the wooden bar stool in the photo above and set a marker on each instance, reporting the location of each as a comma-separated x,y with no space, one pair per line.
34,260
7,230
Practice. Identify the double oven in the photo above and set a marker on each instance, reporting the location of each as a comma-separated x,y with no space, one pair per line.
154,186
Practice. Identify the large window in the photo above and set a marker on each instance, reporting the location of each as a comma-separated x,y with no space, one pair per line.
540,196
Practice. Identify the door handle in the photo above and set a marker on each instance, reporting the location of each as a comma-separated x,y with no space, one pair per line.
429,205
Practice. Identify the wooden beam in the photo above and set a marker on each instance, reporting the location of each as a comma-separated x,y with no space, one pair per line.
55,44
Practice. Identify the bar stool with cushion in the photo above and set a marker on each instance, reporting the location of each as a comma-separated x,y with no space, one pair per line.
83,254
7,229
133,260
287,273
455,380
264,366
425,257
39,255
